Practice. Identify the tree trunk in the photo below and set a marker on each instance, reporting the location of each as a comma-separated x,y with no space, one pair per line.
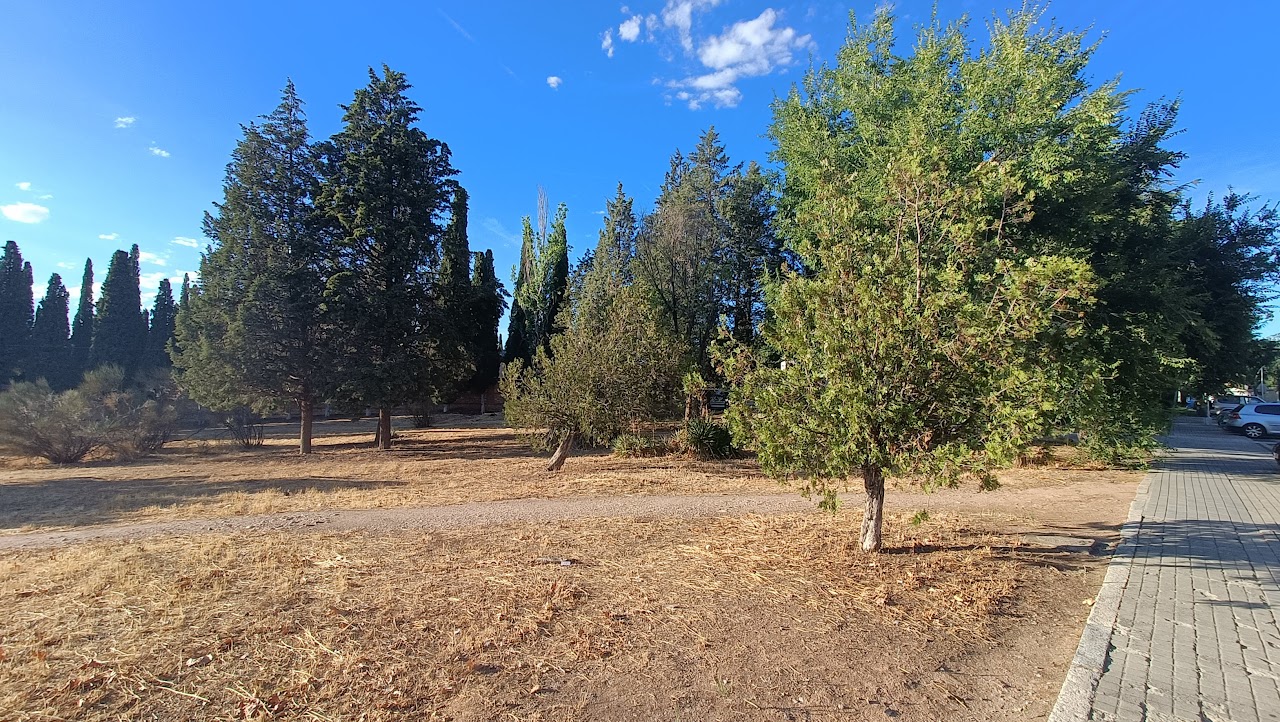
562,452
873,517
306,409
384,428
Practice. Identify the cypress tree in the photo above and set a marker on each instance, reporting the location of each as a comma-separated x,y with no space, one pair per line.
51,337
119,333
489,302
163,315
518,345
17,309
387,185
82,327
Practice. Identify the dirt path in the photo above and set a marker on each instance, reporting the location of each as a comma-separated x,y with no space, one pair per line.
1056,509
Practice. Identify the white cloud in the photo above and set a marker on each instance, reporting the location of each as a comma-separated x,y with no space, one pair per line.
184,241
46,197
150,258
499,231
554,81
23,186
678,14
607,43
108,236
629,30
748,48
159,151
66,266
24,212
124,122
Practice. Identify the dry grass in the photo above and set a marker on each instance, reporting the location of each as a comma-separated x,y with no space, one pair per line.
684,619
459,462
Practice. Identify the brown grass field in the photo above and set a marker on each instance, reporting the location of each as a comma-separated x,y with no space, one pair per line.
759,617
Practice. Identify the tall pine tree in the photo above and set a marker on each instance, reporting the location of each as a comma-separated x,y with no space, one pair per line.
387,187
489,301
17,309
51,338
255,333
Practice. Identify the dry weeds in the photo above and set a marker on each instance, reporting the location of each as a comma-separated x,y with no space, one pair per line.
685,619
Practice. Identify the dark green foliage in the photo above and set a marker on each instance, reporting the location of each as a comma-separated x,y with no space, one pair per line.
163,318
541,283
254,333
387,186
51,350
489,300
17,311
82,326
120,334
708,439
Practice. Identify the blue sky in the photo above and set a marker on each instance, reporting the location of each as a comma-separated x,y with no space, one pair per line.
117,119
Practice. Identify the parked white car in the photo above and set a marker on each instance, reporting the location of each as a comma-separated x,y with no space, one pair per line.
1254,420
1227,402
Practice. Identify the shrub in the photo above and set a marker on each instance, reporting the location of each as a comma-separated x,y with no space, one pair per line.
636,445
137,417
707,439
246,427
35,421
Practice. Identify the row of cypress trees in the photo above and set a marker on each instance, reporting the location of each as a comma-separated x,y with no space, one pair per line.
45,342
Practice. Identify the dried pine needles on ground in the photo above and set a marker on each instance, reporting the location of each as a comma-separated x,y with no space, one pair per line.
590,619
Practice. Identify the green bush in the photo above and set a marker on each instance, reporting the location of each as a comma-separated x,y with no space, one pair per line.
707,439
61,427
130,419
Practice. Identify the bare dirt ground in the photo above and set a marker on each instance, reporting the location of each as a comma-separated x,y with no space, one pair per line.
630,589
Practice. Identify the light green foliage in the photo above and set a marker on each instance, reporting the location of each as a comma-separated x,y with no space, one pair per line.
131,419
541,283
708,439
922,338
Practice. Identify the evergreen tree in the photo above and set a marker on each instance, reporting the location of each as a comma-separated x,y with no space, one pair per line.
17,311
489,301
51,338
120,333
387,186
930,335
82,326
449,361
255,331
163,317
518,332
752,251
541,284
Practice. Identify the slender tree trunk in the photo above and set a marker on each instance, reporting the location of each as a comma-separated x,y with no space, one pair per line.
306,407
562,452
384,428
873,517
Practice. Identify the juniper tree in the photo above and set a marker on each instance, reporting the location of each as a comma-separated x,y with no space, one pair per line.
161,332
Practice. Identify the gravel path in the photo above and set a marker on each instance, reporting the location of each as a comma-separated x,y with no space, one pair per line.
459,516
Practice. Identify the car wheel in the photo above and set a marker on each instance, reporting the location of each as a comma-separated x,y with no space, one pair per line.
1254,431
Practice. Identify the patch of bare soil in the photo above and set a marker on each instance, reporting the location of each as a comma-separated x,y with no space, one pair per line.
744,618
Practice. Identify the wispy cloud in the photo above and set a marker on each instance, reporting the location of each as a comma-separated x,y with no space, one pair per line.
108,236
45,197
184,241
159,151
24,212
554,81
456,26
678,14
499,231
23,186
125,122
151,258
606,43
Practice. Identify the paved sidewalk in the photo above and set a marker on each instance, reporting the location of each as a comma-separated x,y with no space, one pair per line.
1187,624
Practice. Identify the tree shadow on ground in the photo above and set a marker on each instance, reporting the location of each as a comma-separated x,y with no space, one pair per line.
83,501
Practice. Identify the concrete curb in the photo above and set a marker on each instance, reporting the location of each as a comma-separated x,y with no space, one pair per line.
1075,700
